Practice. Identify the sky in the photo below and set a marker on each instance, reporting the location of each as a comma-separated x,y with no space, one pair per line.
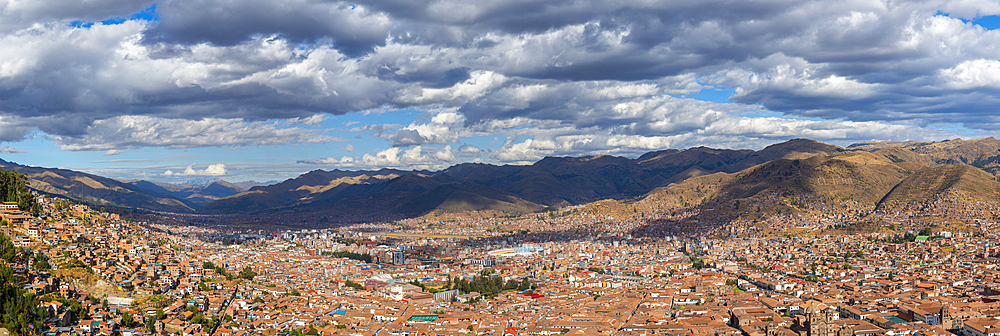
198,90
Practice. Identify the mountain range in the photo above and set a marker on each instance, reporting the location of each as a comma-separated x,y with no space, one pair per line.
871,174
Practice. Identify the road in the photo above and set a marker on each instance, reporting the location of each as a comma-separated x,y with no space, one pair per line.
222,311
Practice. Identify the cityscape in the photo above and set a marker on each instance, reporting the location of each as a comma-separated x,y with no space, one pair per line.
499,167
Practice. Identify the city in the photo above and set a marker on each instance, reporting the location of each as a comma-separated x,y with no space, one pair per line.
96,273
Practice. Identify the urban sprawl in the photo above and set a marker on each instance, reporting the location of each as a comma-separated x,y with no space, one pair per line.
573,272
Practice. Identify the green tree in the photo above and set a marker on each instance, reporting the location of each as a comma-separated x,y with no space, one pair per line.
354,285
127,320
7,249
247,273
525,285
14,188
18,309
42,262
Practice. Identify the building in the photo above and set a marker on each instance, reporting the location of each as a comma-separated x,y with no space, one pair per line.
398,258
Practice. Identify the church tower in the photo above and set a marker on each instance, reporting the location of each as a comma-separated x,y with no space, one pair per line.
819,322
947,321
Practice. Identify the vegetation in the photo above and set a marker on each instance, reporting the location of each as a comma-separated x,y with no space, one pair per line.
18,309
75,306
14,188
76,263
350,255
487,285
247,273
42,262
354,285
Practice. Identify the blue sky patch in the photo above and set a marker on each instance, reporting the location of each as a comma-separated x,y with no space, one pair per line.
989,22
148,14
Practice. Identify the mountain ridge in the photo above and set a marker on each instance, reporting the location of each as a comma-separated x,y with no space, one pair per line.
863,173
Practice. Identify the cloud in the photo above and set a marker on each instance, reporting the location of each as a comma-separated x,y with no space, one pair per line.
142,131
571,77
347,147
468,149
113,152
418,157
353,28
442,129
10,150
311,120
217,169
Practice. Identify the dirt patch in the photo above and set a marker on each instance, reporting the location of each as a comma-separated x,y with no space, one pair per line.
86,281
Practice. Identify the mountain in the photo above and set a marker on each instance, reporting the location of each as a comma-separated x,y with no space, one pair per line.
302,190
799,176
552,181
341,196
980,153
784,186
196,195
940,182
96,190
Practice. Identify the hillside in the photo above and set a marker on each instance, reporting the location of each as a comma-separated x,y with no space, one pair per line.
821,183
980,153
195,195
928,184
552,181
96,190
796,177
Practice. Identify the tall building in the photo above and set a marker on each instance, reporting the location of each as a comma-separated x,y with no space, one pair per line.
398,258
822,323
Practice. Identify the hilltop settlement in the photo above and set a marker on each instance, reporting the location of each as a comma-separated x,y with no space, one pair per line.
782,247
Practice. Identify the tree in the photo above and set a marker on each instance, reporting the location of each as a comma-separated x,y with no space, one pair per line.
127,320
14,188
247,273
150,324
42,262
525,285
18,309
7,249
159,314
208,265
354,285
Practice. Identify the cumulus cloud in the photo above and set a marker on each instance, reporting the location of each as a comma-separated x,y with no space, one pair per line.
217,169
311,120
468,149
418,157
143,131
560,77
442,129
11,150
348,147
